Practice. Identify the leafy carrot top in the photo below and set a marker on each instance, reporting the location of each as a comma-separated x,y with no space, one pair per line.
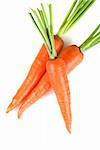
45,28
45,25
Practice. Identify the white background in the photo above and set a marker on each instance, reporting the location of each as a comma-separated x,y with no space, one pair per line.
42,126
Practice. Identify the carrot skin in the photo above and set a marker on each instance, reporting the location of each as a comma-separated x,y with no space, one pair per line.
56,70
37,70
40,89
72,57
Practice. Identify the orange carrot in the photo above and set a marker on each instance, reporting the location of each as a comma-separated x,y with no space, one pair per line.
72,57
36,72
56,67
56,70
57,76
75,12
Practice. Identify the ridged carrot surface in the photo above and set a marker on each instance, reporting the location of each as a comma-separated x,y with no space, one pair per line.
72,57
37,70
56,70
41,22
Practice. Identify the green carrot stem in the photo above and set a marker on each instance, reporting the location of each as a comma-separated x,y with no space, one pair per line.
42,29
79,4
95,42
42,17
50,18
51,31
68,14
45,28
45,16
78,15
90,44
91,36
78,18
81,7
92,40
95,31
97,35
45,23
42,35
38,19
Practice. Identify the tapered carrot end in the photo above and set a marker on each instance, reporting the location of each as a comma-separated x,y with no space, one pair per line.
68,126
69,130
9,108
19,114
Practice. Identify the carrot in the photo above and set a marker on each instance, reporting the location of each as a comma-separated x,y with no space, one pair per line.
37,70
72,57
42,87
59,82
35,73
56,70
57,77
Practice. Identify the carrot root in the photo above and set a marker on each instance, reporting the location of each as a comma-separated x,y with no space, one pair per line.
72,57
56,70
37,70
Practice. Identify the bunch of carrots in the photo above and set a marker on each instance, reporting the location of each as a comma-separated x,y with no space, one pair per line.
53,63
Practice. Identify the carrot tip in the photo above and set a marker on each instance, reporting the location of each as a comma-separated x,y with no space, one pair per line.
8,110
19,115
69,130
10,107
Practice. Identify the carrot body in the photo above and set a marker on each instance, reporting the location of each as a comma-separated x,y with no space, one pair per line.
41,88
72,57
56,70
37,70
